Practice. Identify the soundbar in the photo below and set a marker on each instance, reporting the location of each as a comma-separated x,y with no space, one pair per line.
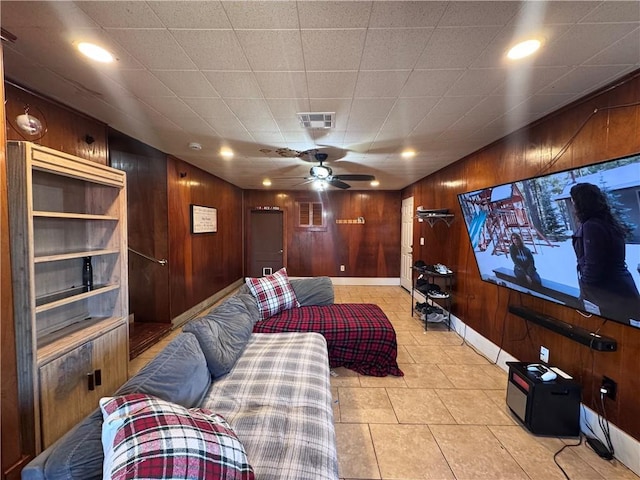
575,333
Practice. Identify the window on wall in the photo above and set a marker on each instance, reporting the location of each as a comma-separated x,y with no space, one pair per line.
310,215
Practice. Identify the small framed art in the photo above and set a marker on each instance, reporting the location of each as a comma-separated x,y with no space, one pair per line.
204,219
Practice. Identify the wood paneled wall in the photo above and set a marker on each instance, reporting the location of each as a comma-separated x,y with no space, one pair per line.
161,190
66,130
371,249
148,219
612,131
201,264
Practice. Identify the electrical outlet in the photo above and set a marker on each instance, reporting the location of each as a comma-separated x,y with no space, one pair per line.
544,354
610,386
342,268
421,240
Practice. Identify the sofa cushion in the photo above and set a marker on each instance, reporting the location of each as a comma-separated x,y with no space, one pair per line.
177,374
250,303
313,290
78,454
273,293
223,334
146,437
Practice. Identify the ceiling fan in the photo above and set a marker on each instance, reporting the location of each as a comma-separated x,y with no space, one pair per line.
323,173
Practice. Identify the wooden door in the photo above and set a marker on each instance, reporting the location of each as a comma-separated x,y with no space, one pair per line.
72,384
406,249
266,242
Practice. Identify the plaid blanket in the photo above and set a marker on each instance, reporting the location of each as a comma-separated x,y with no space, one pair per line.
277,398
359,335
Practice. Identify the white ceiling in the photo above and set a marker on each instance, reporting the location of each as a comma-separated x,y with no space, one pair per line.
427,75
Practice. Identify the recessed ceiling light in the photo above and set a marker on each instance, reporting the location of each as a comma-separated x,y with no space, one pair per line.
226,153
524,49
375,183
408,154
266,182
94,52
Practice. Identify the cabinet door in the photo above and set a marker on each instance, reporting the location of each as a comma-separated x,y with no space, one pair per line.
111,358
66,396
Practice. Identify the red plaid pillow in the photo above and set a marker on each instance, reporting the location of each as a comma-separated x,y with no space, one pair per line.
274,293
146,437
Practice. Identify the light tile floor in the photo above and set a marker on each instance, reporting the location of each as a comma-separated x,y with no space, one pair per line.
445,419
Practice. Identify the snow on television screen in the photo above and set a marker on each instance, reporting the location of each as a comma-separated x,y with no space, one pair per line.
536,237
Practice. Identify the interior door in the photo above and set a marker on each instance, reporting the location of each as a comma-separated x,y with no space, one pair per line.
406,248
266,242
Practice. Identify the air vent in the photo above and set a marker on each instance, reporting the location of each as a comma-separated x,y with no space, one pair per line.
317,119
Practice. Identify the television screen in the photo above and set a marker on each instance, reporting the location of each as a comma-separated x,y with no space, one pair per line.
571,237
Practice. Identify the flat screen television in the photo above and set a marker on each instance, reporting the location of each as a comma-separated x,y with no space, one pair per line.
538,214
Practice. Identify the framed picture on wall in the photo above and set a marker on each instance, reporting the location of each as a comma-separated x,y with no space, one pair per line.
204,219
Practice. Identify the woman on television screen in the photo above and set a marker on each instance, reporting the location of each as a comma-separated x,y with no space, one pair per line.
523,264
606,285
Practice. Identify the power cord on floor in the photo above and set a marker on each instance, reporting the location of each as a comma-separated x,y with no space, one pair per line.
604,450
568,445
593,441
607,452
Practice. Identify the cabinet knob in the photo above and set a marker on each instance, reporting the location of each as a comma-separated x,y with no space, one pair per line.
91,382
98,376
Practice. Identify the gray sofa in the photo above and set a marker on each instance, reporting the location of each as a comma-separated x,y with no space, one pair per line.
273,389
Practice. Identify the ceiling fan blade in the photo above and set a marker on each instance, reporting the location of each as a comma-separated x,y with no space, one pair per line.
355,177
308,155
338,183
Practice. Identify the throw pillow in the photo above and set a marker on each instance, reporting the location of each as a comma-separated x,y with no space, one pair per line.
313,291
273,293
148,438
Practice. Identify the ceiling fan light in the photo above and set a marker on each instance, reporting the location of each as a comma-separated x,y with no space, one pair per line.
320,172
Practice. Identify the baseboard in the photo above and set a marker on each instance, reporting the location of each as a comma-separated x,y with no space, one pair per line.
627,448
385,282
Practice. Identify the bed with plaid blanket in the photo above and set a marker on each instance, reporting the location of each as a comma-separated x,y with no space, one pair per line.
359,335
277,398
